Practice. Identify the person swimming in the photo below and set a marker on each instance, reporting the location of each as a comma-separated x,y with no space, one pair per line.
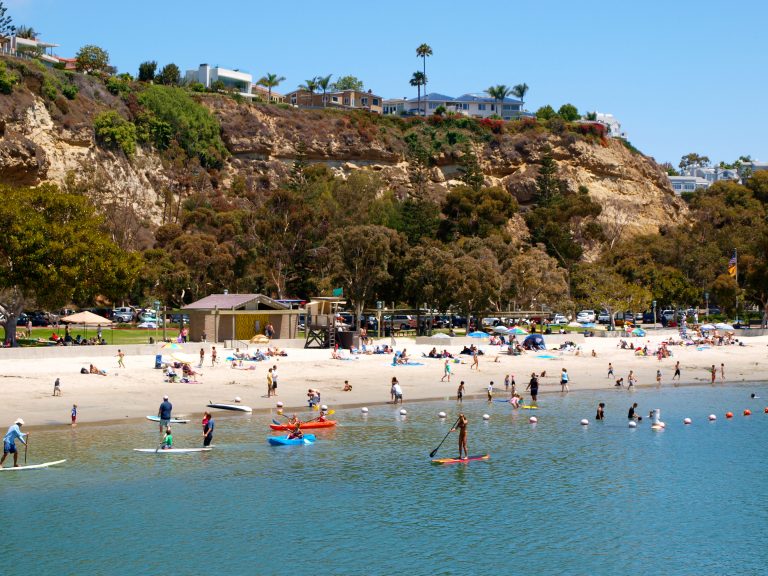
754,396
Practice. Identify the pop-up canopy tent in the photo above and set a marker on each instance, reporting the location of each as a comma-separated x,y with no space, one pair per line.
87,319
534,342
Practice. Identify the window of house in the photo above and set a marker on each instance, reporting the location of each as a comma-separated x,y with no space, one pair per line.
481,106
334,98
346,101
375,101
433,105
364,101
690,187
465,106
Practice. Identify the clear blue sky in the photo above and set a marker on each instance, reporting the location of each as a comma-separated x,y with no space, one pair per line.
681,76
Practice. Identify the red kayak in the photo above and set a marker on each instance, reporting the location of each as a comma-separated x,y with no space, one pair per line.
305,425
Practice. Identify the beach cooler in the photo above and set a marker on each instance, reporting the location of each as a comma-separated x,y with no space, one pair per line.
158,361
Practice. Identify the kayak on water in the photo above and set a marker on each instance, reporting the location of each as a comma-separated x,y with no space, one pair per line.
285,441
173,420
235,407
305,425
171,450
461,460
33,466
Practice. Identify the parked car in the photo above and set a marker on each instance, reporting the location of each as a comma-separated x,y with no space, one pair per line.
586,316
148,316
604,317
401,321
559,319
490,321
123,314
648,317
38,318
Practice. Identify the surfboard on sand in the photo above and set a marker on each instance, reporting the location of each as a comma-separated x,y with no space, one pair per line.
33,466
173,420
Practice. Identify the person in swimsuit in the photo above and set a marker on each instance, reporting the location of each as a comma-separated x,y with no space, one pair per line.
461,424
677,371
490,391
208,426
631,414
74,414
167,439
713,373
446,371
460,392
610,370
600,411
533,386
564,380
296,432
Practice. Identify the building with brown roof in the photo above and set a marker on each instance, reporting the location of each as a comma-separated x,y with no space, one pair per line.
350,99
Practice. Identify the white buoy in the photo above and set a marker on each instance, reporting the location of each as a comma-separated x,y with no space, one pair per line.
279,404
324,408
403,412
486,416
364,410
632,424
237,399
533,419
441,414
712,417
584,422
687,420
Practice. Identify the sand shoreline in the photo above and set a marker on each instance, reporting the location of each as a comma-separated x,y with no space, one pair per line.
130,394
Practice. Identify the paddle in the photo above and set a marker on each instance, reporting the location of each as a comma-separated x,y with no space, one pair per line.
432,454
26,444
329,413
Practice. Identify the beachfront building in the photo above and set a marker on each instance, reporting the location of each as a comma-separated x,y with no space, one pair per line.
34,48
349,99
231,79
702,177
682,184
263,94
239,317
472,105
611,123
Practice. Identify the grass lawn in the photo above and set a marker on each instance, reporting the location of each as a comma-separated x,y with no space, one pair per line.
115,336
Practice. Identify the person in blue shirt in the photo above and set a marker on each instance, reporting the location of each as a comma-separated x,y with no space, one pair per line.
9,442
164,412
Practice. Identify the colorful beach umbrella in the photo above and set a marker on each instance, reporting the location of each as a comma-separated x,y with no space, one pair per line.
501,329
478,334
723,326
184,358
171,346
517,331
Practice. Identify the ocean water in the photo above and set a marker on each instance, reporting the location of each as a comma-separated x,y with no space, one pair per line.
555,498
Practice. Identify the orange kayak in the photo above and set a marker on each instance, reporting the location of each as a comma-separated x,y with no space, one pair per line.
305,425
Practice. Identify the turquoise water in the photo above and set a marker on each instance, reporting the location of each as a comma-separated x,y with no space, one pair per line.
555,498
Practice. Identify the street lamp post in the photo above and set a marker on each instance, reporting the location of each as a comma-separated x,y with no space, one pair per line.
654,314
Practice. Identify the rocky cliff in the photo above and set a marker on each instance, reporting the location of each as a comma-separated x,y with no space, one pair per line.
45,138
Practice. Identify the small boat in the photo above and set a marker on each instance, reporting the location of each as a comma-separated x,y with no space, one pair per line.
461,460
173,420
33,466
171,450
305,425
234,407
285,441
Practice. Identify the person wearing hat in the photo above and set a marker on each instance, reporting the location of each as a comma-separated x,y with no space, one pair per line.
164,412
9,442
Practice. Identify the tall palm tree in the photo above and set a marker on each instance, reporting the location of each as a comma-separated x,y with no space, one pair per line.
520,90
498,93
323,83
419,79
310,86
270,81
27,32
423,51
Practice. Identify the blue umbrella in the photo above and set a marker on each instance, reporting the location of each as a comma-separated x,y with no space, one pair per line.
477,335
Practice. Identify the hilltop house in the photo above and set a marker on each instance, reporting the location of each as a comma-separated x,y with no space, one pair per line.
701,177
263,93
473,105
34,48
343,99
232,79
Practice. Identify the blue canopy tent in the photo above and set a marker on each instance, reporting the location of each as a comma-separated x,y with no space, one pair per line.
534,342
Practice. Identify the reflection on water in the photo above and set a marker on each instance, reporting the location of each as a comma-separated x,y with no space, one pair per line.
364,499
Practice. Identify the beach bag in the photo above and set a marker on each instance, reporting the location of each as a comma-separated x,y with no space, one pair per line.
83,371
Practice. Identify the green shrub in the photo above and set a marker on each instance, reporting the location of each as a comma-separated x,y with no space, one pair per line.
70,91
7,79
197,87
192,125
114,131
118,85
49,89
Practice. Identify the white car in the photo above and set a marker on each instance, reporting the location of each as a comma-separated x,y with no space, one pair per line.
559,319
586,316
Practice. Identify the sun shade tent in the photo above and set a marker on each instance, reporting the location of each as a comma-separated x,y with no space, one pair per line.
87,319
534,342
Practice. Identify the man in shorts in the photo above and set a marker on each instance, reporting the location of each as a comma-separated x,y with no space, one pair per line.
9,442
164,412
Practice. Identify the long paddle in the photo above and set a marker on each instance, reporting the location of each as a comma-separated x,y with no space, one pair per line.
432,454
26,444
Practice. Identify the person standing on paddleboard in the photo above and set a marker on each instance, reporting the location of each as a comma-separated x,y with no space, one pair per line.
208,426
461,424
164,413
9,442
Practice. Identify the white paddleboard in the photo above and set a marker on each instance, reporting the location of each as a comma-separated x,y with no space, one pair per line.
33,466
173,420
235,407
171,450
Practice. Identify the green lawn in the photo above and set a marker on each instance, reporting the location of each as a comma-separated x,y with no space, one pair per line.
112,336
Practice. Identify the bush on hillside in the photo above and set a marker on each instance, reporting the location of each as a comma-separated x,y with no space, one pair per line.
7,79
114,131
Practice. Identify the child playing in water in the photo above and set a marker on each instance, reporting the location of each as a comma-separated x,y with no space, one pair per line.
167,439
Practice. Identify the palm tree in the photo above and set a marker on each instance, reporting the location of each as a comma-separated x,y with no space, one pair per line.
310,86
270,81
423,52
498,93
419,79
27,32
520,90
323,82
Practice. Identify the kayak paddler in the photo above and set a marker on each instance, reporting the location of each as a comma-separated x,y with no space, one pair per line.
9,442
295,424
461,424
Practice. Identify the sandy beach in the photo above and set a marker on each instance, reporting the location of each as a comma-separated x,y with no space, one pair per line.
26,385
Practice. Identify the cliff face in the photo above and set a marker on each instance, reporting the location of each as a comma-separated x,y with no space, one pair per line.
45,140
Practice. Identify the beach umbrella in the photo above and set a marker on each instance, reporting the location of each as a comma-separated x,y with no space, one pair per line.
517,331
171,346
638,332
440,335
478,334
87,319
501,330
184,358
723,326
708,327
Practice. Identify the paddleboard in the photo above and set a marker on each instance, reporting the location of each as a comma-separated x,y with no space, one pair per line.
235,407
529,407
502,401
461,461
171,450
33,466
173,420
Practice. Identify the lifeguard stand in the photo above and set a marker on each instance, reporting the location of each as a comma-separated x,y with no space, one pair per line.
321,322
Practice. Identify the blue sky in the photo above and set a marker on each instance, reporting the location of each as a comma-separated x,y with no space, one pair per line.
681,76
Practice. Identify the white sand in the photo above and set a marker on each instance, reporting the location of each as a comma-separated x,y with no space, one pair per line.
26,386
